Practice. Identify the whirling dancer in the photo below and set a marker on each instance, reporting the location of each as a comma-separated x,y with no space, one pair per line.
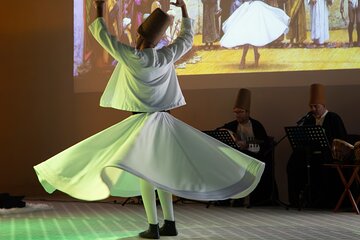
150,150
255,24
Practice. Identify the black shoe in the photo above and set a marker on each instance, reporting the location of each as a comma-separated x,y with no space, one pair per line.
168,229
7,201
151,233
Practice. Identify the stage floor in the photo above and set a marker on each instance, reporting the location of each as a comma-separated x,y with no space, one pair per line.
108,220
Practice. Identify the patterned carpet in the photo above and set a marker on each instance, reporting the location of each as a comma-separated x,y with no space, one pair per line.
108,220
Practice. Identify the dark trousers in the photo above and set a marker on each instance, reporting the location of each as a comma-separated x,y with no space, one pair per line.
310,184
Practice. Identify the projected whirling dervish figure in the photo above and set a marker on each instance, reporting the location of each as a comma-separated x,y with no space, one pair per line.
150,149
255,24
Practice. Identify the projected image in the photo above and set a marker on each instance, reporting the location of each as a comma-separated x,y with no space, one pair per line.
231,36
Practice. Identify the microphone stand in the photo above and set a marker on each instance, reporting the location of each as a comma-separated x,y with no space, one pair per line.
272,147
274,197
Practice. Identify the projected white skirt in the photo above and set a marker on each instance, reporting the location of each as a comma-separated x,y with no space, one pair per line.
255,23
157,147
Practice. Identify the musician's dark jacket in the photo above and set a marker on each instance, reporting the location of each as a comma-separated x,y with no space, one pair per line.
333,126
266,189
325,186
259,134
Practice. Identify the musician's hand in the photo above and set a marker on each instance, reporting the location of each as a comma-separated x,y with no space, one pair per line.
242,145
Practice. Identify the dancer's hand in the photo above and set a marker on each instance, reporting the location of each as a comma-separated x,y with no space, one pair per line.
182,5
178,3
99,5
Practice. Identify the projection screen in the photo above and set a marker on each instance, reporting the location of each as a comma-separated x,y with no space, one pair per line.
295,51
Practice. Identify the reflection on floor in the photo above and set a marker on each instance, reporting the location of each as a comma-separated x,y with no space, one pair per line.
108,220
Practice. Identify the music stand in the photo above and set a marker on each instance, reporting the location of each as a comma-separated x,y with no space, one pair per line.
310,139
301,137
223,136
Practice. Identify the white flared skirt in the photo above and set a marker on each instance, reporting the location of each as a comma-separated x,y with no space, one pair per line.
157,147
255,23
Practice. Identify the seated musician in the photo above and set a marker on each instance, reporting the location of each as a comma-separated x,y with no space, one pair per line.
252,139
312,185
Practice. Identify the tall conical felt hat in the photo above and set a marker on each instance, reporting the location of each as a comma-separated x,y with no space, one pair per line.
243,99
317,94
154,26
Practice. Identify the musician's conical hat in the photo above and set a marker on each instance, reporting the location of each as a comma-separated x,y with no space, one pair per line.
317,94
243,99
